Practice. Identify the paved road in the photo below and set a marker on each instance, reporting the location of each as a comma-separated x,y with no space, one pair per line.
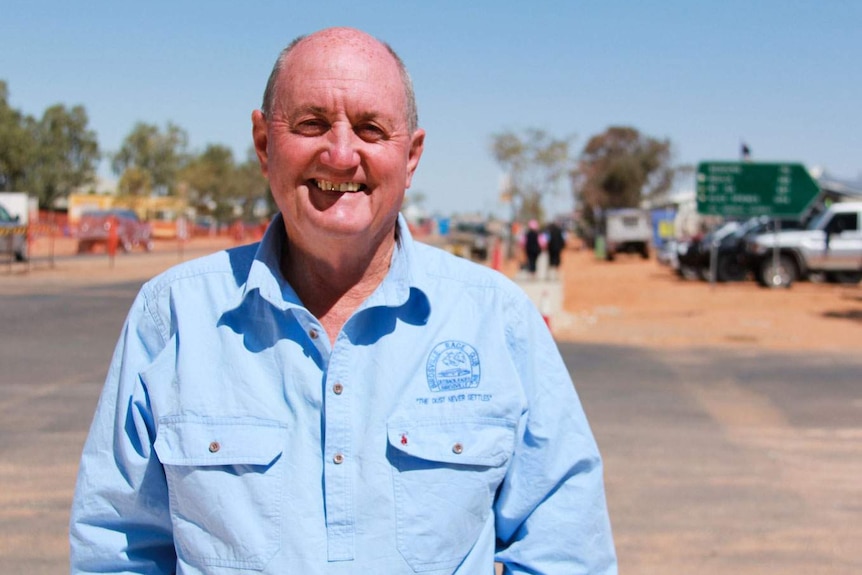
716,461
728,462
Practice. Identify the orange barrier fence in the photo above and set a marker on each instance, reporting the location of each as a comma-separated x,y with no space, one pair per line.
16,231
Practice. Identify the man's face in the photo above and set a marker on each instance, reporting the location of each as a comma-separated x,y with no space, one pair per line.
336,147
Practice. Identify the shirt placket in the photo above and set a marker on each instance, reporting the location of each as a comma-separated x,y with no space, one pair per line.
338,456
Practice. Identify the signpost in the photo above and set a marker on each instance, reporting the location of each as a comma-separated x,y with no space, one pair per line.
747,189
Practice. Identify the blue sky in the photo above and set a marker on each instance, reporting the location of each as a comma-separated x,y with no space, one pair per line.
783,76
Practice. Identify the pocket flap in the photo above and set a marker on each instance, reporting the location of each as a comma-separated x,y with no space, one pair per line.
468,441
200,441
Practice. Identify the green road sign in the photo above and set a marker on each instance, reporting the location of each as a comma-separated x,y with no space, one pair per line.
745,189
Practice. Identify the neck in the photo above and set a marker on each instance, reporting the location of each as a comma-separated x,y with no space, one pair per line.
333,283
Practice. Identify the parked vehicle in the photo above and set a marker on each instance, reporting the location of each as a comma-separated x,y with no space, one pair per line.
627,230
692,256
13,236
204,226
470,239
831,244
667,254
733,261
94,229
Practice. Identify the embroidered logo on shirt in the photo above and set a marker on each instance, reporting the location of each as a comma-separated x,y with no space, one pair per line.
453,365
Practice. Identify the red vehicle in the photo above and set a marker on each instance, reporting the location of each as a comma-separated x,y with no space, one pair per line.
95,227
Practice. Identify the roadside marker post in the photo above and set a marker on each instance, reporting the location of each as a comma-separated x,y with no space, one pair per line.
113,239
497,256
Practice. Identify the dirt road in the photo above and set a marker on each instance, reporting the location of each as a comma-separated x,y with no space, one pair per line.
629,301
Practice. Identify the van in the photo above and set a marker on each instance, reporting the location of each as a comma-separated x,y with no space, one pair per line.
627,230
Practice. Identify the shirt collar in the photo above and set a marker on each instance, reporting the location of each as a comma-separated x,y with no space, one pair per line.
265,275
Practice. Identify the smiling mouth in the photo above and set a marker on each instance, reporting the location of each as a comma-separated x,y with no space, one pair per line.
328,186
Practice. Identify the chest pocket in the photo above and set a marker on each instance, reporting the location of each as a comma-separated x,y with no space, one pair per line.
225,480
446,472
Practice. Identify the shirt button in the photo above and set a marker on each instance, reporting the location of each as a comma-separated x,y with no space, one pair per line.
338,459
214,447
337,389
313,334
457,449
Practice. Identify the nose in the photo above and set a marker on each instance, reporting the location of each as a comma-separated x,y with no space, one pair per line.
341,148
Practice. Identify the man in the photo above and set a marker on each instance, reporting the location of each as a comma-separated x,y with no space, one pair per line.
338,398
556,243
532,246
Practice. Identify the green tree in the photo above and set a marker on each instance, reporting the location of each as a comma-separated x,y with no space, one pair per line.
252,188
619,168
159,155
210,181
135,182
67,153
17,144
534,163
216,185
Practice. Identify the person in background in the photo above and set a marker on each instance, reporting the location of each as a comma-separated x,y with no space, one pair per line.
532,246
338,398
556,242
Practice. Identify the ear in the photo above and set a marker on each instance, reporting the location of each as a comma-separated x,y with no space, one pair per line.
417,145
259,136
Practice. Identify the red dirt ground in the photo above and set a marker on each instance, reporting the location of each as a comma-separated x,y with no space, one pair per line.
639,302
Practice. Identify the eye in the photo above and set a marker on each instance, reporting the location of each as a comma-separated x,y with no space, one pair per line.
370,132
311,127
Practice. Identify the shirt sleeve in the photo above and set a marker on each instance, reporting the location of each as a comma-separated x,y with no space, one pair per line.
120,519
551,513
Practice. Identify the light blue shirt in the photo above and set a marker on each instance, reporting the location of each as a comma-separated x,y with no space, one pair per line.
440,433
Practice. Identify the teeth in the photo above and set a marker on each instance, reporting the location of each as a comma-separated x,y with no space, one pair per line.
333,187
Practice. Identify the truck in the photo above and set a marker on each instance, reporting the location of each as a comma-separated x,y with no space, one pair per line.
627,230
831,245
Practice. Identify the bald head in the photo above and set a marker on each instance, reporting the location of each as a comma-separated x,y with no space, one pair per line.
358,41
